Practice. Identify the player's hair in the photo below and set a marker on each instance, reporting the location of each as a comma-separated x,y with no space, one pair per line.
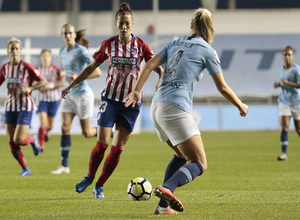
124,9
288,48
203,25
14,40
66,25
45,50
80,38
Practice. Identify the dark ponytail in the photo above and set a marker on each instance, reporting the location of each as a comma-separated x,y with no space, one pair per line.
80,38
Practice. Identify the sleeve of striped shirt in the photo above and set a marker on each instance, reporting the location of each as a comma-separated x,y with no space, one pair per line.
34,73
2,77
147,51
100,55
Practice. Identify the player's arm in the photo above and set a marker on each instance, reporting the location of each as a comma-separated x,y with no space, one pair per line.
160,71
134,97
2,78
289,83
36,86
84,74
60,82
226,91
87,57
95,73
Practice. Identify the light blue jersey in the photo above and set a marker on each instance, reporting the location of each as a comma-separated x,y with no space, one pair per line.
290,95
185,59
75,61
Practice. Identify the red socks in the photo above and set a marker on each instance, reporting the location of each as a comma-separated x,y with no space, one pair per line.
18,154
42,136
97,155
110,164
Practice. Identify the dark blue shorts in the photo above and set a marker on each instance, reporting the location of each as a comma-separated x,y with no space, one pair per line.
19,118
112,112
49,107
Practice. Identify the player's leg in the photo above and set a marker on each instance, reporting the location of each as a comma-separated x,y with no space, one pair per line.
51,121
193,150
16,150
285,113
43,129
284,140
181,130
96,157
296,116
97,154
21,136
177,161
65,143
87,130
297,126
119,141
106,119
84,106
125,119
52,111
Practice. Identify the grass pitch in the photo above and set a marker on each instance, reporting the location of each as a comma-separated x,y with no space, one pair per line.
243,181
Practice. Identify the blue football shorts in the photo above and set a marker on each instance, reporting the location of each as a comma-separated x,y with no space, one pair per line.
49,107
19,118
113,112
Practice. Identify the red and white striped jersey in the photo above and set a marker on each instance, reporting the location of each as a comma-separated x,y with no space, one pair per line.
51,74
18,77
124,64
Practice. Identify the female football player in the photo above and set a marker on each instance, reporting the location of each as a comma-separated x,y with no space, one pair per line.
48,96
19,105
289,98
185,59
125,52
80,101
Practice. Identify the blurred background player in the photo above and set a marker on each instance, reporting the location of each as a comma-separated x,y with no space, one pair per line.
80,101
19,105
125,53
48,96
289,98
171,106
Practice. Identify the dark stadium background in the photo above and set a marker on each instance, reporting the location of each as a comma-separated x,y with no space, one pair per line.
106,5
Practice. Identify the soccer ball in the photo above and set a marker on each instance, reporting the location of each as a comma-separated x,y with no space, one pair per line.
139,189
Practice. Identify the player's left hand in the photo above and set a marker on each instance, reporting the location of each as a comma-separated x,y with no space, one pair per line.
133,98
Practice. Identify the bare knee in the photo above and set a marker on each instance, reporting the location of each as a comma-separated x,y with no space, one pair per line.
285,128
65,128
18,140
87,133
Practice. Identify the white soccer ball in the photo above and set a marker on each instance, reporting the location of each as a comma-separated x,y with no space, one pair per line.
139,189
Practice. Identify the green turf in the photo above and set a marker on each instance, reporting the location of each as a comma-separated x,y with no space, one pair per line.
243,181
